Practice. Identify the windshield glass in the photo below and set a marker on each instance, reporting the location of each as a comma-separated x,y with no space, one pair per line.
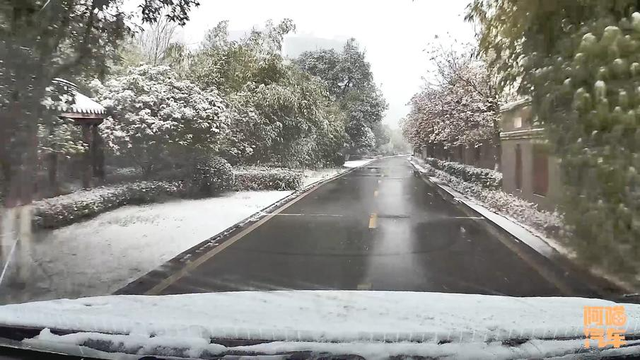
392,160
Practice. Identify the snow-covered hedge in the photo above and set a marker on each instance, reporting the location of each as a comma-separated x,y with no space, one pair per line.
521,210
486,178
263,178
121,175
67,209
210,176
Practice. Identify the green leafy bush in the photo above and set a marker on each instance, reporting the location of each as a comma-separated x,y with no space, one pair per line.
597,138
66,209
488,179
579,62
263,178
210,176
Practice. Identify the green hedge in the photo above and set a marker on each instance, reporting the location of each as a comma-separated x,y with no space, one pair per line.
488,179
67,209
262,178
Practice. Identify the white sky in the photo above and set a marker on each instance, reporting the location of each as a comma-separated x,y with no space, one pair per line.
393,32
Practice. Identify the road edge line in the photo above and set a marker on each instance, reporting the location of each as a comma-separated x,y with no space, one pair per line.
598,284
259,218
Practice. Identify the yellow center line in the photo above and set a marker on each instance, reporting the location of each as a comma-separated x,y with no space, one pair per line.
375,193
157,289
373,221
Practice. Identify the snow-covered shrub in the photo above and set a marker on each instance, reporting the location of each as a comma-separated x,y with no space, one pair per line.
506,204
120,175
156,118
263,178
486,178
209,176
67,209
338,159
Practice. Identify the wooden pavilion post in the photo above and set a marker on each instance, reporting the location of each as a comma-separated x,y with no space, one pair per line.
87,158
97,153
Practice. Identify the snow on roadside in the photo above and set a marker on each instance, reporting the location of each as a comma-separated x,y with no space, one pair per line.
103,254
523,232
99,256
357,163
313,176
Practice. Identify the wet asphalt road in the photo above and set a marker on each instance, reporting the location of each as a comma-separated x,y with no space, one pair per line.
379,227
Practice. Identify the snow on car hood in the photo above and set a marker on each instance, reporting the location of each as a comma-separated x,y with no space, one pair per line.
356,317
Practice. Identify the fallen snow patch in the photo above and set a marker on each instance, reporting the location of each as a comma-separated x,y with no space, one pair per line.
314,176
357,163
99,256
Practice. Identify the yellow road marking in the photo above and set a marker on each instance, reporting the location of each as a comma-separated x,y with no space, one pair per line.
375,193
201,260
365,286
373,221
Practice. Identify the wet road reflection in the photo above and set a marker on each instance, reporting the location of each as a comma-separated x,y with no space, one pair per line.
378,227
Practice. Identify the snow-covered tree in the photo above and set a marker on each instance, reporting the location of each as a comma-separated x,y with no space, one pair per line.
42,40
156,117
229,65
279,113
459,108
250,131
155,41
298,115
349,79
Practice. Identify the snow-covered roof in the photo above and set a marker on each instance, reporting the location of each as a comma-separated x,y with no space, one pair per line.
82,104
522,134
514,104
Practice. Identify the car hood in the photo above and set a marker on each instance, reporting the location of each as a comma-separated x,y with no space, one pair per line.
367,323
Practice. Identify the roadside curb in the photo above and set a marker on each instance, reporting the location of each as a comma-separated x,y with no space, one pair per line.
601,286
147,281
